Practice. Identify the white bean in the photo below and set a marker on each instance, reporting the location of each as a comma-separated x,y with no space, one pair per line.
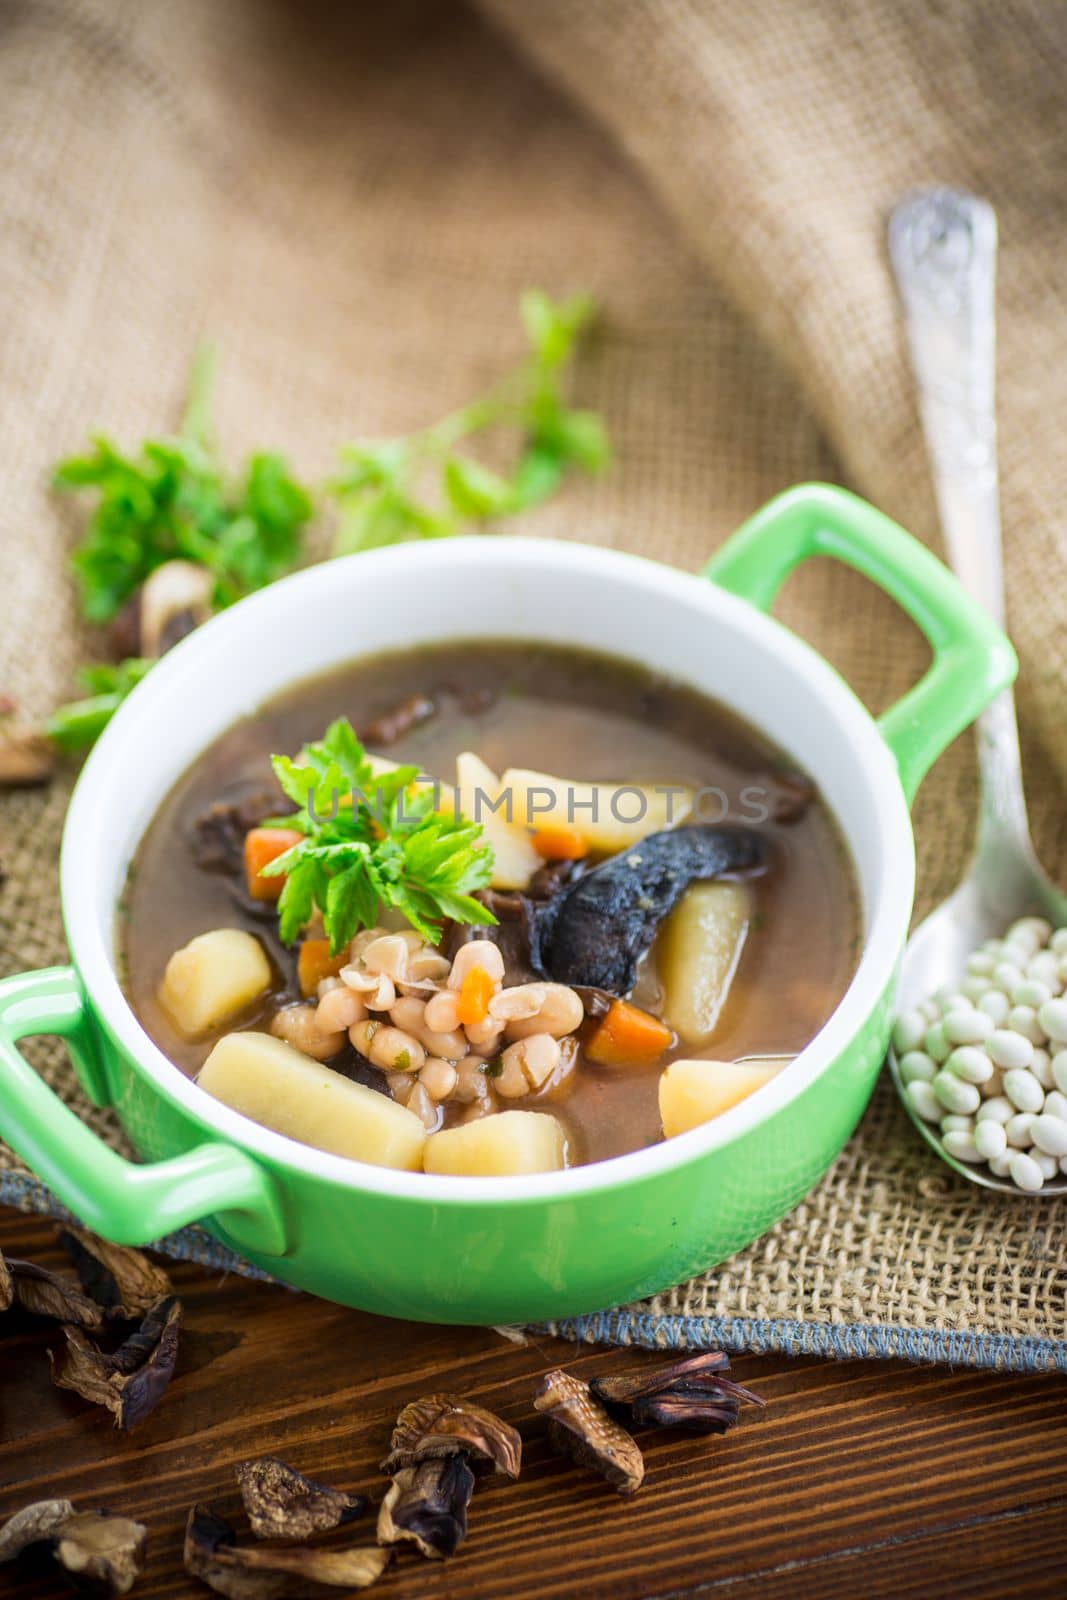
923,1100
1037,928
298,1026
1009,1050
1050,1135
481,953
1059,1070
955,1000
442,1011
522,1000
955,1122
981,963
996,1005
990,1139
1058,942
1023,1019
1045,967
997,1109
1041,1067
340,1008
1019,1130
970,1063
438,1078
961,1145
974,988
1006,975
1000,1166
560,1013
409,1013
1023,1090
1055,1105
388,954
389,1048
936,1045
908,1031
917,1064
1030,993
1025,1172
1049,1164
954,1094
527,1065
1053,1018
967,1027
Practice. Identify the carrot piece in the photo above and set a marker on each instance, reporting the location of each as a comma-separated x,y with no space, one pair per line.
262,846
627,1035
560,842
315,963
475,994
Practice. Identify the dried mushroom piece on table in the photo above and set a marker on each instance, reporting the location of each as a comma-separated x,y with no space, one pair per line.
694,1394
580,1427
273,1572
47,1294
444,1425
282,1504
426,1505
102,1554
124,1281
131,1380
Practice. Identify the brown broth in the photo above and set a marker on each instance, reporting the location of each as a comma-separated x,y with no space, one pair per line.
570,712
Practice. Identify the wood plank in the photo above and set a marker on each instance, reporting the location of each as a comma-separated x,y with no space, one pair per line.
859,1477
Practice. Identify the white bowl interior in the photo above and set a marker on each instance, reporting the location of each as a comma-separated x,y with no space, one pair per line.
522,589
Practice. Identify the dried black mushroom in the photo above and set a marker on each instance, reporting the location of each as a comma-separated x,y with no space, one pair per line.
47,1294
282,1504
101,1554
426,1505
273,1572
694,1394
218,835
443,1425
400,719
580,1427
124,1281
130,1381
595,931
7,1286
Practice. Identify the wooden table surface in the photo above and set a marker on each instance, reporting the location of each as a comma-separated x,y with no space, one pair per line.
859,1478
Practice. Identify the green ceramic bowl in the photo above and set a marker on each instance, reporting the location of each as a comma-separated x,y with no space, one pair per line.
498,1250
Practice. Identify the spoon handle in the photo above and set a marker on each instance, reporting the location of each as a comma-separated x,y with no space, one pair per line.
943,247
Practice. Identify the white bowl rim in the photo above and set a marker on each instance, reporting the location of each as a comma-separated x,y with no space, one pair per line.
883,938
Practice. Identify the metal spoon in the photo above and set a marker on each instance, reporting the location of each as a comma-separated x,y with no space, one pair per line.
943,246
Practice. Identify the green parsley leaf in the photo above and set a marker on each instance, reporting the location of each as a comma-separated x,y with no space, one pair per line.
380,488
171,499
76,726
371,840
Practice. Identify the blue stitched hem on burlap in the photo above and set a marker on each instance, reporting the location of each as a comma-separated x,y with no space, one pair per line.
843,1340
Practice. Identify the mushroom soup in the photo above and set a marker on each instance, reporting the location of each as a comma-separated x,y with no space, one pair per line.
496,908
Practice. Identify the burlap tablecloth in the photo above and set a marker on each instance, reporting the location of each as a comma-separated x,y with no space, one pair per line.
351,202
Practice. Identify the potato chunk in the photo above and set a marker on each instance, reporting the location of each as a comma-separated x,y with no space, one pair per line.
269,1081
697,955
212,978
692,1092
542,801
515,859
498,1146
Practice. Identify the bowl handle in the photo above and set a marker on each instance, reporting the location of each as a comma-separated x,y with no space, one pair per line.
972,660
121,1200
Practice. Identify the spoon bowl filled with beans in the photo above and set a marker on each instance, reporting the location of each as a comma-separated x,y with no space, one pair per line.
982,1067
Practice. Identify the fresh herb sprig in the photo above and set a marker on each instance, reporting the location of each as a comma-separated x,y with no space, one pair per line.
78,724
371,839
172,500
380,488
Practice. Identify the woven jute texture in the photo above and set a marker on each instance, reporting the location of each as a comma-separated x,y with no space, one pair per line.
350,201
